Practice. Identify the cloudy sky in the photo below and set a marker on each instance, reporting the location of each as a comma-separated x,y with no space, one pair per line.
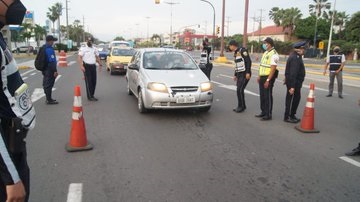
128,18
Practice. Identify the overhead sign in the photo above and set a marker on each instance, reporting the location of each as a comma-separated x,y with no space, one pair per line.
29,17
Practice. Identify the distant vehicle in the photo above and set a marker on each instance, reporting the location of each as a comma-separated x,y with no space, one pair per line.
103,51
24,49
168,46
167,79
118,59
119,43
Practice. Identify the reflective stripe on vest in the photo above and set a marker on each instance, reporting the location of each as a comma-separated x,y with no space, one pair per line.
334,62
264,69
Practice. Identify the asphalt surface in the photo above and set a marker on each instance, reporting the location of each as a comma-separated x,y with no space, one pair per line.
184,155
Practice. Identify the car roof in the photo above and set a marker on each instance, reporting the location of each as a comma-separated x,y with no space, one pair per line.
161,50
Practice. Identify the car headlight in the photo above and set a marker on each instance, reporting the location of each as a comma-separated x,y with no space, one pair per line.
206,86
158,87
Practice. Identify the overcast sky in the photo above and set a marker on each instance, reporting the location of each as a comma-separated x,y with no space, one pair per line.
106,19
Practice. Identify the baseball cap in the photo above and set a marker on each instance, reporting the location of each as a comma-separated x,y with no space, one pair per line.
233,43
336,48
270,41
51,38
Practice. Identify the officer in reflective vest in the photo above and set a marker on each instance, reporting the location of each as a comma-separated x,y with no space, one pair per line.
266,79
17,114
242,73
336,63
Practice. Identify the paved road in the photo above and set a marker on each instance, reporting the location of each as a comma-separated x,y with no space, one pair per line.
192,156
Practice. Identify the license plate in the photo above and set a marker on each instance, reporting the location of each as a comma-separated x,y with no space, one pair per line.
185,99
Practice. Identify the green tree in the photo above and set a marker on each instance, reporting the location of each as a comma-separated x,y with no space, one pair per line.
287,18
52,14
76,32
119,38
39,33
304,28
16,36
352,28
156,37
320,8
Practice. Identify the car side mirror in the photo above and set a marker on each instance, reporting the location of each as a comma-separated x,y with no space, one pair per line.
108,55
133,67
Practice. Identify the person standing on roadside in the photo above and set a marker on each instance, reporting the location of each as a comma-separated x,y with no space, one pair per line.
50,73
242,73
17,114
266,79
294,77
88,56
336,63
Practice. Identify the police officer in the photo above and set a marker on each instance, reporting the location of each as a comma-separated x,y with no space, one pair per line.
294,77
50,73
242,73
266,79
17,114
336,63
207,49
88,56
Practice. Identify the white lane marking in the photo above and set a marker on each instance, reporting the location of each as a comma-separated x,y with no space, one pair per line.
71,63
27,72
233,87
25,77
75,192
351,161
32,74
57,78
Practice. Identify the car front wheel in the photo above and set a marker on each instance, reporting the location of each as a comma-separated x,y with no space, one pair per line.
141,106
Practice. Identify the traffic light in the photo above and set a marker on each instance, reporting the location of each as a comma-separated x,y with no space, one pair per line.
157,1
217,30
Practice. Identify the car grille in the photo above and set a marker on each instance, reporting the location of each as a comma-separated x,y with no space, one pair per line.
181,89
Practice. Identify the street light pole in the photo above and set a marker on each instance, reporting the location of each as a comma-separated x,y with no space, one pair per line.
171,5
245,22
147,32
213,40
331,28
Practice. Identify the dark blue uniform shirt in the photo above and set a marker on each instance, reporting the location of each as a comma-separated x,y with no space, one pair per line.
50,54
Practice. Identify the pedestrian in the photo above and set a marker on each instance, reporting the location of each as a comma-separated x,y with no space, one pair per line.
88,56
294,77
17,114
266,79
356,151
336,63
242,73
50,72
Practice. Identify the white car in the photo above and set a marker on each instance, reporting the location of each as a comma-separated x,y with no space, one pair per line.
167,79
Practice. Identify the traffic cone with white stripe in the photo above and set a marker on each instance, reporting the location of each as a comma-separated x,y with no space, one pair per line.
307,122
62,59
78,140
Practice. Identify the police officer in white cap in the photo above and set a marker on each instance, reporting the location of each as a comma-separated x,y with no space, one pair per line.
294,77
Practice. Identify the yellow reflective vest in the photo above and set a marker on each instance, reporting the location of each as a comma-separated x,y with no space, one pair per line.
265,67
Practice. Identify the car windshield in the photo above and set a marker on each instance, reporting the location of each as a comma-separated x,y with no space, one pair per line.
102,48
122,52
168,60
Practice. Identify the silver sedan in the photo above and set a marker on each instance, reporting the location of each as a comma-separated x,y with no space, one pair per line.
167,79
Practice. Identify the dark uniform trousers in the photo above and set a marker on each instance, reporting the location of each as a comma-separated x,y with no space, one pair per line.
49,80
266,96
292,101
90,79
241,85
18,158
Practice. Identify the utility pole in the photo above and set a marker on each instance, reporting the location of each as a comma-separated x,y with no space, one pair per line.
84,28
67,19
222,30
253,32
228,22
331,29
245,22
260,23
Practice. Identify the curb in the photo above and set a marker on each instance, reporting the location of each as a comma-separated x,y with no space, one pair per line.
23,67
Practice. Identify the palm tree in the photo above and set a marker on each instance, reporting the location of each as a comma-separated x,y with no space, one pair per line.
58,7
320,8
39,32
52,15
287,18
340,20
76,32
27,33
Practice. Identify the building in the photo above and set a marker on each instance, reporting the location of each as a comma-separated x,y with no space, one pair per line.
278,33
189,37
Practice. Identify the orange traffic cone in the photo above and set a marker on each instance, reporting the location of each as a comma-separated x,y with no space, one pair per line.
78,140
62,59
307,122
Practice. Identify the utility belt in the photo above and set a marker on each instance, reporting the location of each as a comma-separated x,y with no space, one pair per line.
87,64
14,134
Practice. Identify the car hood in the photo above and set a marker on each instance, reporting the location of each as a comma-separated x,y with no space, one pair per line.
120,59
177,77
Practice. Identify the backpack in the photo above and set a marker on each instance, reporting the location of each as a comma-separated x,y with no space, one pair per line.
40,60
